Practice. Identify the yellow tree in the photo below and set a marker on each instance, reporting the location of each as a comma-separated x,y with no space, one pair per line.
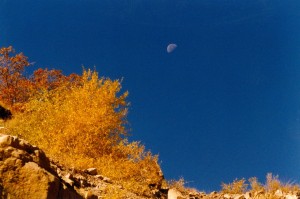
87,118
84,125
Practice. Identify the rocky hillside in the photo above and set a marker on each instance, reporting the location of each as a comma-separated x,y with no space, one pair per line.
26,172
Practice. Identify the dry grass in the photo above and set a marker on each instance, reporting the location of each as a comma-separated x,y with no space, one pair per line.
269,189
236,187
180,185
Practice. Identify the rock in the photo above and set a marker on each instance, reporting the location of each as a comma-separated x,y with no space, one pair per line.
213,193
91,171
68,179
25,173
259,193
174,194
90,195
106,179
289,196
248,195
238,196
99,176
279,193
5,140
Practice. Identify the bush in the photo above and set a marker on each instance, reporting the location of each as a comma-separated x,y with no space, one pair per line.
236,187
84,125
271,185
255,185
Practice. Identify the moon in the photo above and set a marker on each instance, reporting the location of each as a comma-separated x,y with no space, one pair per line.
171,47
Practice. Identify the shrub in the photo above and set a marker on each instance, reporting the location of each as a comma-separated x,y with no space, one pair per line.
273,184
236,187
84,125
255,185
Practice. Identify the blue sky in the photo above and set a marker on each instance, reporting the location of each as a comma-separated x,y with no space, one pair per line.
224,105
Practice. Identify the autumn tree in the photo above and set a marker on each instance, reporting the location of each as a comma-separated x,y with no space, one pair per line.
13,84
78,120
16,88
84,124
44,79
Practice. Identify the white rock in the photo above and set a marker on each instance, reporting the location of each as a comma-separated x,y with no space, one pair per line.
107,180
67,179
279,193
174,194
238,196
247,195
289,196
5,140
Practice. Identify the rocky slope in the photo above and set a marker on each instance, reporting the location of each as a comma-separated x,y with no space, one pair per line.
26,172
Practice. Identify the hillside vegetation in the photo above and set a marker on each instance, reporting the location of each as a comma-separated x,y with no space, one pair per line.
78,120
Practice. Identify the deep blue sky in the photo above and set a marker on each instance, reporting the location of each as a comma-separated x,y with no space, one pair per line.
224,105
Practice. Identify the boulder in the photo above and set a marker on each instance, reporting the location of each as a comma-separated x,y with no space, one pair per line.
91,171
174,194
25,172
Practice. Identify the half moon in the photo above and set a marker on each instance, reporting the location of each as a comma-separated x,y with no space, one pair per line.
171,47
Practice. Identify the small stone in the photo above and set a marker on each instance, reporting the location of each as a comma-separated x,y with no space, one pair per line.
99,177
289,196
5,140
83,183
174,194
69,176
68,179
239,196
90,195
91,171
107,180
247,195
279,193
58,171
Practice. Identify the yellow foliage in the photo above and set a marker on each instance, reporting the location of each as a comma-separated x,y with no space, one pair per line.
255,185
84,125
237,187
273,184
268,189
88,119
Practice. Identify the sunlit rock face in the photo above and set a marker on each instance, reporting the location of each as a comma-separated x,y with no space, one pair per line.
26,172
